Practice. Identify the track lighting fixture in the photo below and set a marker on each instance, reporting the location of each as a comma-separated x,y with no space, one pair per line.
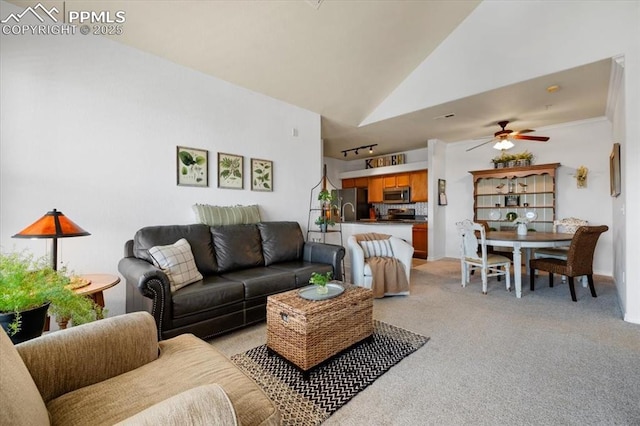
370,147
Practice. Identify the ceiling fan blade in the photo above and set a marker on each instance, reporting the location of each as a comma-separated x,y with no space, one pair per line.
482,144
519,132
532,138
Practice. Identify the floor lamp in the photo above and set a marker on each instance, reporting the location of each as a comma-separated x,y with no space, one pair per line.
52,225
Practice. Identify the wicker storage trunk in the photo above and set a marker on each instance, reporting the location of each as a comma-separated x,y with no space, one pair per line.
308,332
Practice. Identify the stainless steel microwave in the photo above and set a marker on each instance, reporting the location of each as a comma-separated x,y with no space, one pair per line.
396,195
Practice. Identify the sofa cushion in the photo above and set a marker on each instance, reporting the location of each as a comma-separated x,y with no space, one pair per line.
226,215
261,282
302,270
202,405
281,241
212,292
176,261
198,236
237,247
184,363
20,400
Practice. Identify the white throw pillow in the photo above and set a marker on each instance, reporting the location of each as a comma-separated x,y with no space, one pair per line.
376,248
176,260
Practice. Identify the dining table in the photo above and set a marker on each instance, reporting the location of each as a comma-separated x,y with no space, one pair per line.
528,242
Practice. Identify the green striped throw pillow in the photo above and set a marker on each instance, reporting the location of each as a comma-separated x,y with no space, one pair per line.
226,215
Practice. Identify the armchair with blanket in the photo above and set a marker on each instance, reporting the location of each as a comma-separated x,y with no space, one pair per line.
380,262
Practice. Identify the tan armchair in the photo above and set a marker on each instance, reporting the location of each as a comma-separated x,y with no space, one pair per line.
115,370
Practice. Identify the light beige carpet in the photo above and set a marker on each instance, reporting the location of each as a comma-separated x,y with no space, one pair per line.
495,359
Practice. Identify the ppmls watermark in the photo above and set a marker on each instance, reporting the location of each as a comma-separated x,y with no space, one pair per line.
52,21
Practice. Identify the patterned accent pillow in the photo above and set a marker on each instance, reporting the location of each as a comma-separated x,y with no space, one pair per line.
176,260
376,248
226,215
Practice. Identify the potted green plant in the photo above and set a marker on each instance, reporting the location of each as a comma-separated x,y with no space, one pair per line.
320,281
325,196
323,222
503,160
524,159
29,288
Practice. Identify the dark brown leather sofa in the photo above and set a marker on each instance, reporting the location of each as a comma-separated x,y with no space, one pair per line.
241,266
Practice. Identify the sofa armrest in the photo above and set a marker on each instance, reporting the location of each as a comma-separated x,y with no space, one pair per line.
65,360
331,254
150,282
202,405
403,251
356,254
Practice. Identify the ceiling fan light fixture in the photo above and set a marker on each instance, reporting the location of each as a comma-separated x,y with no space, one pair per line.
504,144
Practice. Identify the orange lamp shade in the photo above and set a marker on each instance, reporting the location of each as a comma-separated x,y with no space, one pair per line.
54,224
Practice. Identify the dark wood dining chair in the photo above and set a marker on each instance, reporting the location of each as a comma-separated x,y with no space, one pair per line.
579,260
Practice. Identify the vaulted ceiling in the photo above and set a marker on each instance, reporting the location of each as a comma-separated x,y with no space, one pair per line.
341,59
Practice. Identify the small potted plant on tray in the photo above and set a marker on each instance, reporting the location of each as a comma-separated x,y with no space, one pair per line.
320,281
323,222
29,288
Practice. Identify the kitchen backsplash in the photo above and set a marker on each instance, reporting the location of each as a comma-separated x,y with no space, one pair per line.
421,208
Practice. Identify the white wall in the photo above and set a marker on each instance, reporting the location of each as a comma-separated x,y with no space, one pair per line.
437,213
549,37
567,147
90,127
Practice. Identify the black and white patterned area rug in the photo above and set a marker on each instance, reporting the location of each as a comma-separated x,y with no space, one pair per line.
332,384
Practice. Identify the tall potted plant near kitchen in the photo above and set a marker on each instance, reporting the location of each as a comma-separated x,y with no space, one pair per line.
324,220
29,289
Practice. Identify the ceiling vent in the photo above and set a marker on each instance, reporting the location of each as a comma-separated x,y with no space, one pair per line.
450,115
315,3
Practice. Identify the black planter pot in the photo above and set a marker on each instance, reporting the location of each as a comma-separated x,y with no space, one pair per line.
32,323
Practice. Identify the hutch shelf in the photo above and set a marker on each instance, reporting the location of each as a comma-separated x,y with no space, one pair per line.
500,195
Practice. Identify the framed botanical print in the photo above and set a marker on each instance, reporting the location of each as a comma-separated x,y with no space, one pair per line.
261,175
192,166
230,171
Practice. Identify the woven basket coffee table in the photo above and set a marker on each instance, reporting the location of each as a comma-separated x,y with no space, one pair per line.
308,332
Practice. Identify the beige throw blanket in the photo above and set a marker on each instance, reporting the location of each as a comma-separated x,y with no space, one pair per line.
388,274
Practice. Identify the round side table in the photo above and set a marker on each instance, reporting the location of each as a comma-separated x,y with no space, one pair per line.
99,283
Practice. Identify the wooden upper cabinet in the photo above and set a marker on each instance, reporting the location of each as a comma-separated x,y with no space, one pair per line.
389,181
361,182
419,191
403,179
396,180
348,183
374,193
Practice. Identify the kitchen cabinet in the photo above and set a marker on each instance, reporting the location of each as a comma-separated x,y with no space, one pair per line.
359,182
418,184
374,193
348,183
420,244
396,180
500,195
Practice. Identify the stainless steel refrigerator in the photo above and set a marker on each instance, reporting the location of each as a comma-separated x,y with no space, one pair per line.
350,204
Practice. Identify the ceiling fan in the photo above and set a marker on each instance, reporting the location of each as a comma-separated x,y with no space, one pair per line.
510,134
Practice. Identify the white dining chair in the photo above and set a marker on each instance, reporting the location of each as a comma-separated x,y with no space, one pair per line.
474,255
